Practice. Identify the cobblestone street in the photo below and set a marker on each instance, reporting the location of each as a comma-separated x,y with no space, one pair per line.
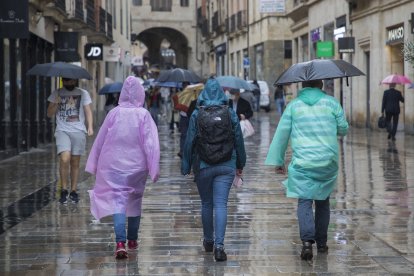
371,230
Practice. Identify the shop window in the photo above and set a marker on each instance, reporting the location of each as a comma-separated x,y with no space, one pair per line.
288,49
259,62
161,5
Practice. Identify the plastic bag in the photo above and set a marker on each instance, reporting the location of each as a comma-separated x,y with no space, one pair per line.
246,128
237,181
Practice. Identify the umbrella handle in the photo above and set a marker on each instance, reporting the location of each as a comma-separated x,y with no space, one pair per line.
347,82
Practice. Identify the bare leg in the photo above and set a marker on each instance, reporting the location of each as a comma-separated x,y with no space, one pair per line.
64,161
74,171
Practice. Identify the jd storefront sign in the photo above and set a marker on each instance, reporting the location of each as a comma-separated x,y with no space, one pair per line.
14,19
94,51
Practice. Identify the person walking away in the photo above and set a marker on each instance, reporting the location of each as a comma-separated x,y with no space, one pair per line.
248,96
70,105
312,123
183,125
240,105
111,101
280,99
214,149
256,93
391,105
126,150
154,103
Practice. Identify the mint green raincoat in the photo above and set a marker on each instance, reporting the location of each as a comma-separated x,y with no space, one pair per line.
312,122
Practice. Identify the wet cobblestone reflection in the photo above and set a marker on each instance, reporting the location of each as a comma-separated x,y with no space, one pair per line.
371,229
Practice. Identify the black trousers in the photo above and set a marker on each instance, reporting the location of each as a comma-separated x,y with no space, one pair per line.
392,127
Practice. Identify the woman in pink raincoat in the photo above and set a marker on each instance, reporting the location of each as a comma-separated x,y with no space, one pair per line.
125,151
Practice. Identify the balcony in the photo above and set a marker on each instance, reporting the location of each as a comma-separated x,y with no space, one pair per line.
299,11
103,32
75,19
233,23
241,19
56,10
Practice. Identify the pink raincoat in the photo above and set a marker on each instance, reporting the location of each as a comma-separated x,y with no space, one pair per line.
125,151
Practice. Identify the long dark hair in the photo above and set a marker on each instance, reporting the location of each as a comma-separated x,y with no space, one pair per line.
111,99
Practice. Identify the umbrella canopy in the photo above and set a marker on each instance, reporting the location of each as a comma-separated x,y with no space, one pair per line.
168,84
59,69
318,69
233,83
183,99
115,87
178,75
398,79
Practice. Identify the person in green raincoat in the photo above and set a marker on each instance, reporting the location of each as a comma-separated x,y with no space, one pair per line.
312,123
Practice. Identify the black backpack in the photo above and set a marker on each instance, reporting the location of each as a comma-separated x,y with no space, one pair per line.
215,136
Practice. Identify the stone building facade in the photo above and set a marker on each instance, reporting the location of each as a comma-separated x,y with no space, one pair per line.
58,30
377,50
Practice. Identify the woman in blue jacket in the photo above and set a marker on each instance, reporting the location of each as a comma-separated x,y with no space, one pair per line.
213,181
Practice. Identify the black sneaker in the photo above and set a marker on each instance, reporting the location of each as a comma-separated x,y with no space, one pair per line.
220,255
322,248
208,245
306,253
63,196
74,197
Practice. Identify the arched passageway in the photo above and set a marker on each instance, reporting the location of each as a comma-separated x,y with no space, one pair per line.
154,39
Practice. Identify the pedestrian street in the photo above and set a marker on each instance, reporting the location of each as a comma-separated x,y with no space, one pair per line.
371,231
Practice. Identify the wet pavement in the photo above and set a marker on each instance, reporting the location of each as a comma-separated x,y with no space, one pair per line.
371,230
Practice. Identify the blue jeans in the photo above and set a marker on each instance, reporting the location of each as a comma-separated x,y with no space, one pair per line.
214,185
119,227
313,229
280,105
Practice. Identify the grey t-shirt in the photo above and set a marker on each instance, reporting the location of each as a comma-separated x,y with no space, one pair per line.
70,115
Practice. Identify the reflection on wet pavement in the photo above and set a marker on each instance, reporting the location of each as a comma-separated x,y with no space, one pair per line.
371,229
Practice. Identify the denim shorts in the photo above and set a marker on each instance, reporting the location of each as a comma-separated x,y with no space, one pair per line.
74,142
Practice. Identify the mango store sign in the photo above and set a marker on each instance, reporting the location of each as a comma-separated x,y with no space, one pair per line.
395,34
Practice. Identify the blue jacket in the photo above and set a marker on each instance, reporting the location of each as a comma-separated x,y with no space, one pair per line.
212,94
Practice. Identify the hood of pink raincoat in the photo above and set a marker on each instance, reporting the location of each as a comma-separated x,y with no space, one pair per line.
132,93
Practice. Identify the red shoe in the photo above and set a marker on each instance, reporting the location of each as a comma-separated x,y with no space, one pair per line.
133,244
121,252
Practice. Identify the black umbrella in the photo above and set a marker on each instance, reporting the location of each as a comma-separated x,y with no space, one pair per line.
178,75
318,69
59,69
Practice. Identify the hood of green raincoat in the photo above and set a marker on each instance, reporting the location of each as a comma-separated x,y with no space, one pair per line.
310,95
212,94
132,93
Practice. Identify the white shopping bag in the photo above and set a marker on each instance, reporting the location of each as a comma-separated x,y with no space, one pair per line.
246,128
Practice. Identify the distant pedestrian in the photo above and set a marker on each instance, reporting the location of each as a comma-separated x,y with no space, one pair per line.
312,123
280,99
240,105
256,93
214,149
125,152
391,105
70,105
154,103
111,101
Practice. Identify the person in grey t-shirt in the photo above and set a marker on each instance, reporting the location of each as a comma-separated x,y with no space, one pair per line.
70,105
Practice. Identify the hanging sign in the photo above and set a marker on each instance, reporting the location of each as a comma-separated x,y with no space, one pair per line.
14,19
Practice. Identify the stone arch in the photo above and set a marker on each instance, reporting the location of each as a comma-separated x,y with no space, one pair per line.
153,37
